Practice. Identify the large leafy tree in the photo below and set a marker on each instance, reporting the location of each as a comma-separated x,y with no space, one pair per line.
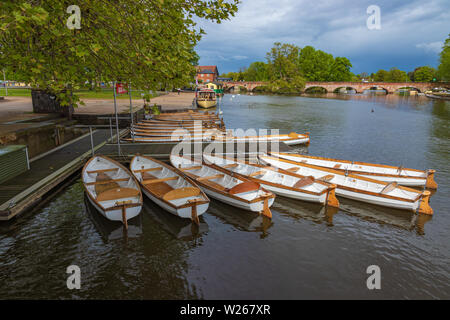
257,71
424,74
444,66
381,75
340,70
146,42
396,75
315,65
283,68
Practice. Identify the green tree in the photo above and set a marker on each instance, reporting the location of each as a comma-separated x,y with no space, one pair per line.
444,65
257,71
424,74
396,75
315,65
147,42
340,70
381,76
283,61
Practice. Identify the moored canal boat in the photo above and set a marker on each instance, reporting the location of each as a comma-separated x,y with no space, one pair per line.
206,98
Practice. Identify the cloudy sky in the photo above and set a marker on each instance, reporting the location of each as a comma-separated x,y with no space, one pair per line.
411,35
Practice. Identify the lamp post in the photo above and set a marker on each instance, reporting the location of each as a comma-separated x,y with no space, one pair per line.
4,82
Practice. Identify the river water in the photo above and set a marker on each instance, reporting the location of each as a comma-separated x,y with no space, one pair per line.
304,252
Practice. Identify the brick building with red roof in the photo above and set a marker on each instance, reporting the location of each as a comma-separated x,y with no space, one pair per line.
207,74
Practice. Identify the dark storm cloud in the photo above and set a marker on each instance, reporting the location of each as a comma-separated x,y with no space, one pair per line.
411,34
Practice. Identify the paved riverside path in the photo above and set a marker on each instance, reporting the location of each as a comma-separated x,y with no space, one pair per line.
43,167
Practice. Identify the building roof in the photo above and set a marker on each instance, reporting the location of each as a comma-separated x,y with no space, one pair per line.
207,69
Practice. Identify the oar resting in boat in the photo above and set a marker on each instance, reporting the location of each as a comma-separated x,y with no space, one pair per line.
284,183
219,184
169,188
359,188
401,175
111,189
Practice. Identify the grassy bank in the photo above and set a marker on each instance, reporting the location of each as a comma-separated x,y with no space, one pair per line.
83,94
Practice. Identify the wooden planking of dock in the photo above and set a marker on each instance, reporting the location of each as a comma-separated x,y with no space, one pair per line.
46,173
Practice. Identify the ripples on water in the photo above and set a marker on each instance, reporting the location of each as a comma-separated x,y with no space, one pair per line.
304,252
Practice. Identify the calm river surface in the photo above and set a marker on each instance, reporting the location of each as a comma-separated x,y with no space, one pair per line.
304,252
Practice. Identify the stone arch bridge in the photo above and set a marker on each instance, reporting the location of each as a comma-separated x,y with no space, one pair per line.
359,87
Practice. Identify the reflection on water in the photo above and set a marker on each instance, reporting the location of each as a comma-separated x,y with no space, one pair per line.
305,251
241,219
183,229
113,230
303,210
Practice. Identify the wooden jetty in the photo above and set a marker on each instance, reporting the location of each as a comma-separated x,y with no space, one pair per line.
48,172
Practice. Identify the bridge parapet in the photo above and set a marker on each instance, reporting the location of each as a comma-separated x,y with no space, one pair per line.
359,87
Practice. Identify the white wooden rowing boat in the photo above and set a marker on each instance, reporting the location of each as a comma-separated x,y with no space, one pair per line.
359,188
111,189
403,176
169,188
177,132
285,184
219,184
289,139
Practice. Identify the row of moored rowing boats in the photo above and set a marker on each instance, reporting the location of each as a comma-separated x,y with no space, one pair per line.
184,187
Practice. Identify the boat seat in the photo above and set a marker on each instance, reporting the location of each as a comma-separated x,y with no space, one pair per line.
148,170
257,173
102,171
103,182
160,188
389,187
293,169
191,168
231,165
181,193
304,182
246,186
117,193
326,178
108,181
217,176
152,181
337,166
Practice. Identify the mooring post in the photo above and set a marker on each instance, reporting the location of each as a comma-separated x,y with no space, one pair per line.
131,111
92,142
111,130
117,119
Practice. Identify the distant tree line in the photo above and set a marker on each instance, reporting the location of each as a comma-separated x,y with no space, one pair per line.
288,67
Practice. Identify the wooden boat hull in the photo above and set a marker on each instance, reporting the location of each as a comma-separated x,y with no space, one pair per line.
258,200
407,177
206,103
116,215
282,184
111,189
360,188
184,205
289,139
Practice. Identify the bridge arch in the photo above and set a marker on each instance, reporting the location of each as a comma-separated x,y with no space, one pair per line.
371,87
316,89
338,89
409,87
